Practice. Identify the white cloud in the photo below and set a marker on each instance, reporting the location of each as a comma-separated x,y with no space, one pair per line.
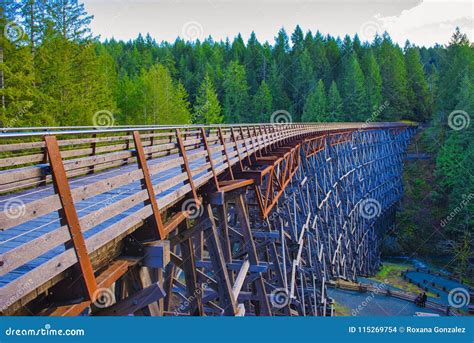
432,21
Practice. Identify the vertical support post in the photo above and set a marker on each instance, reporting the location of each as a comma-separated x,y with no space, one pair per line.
237,148
263,133
148,185
94,148
226,296
189,268
258,141
245,145
69,214
222,139
187,169
242,214
209,157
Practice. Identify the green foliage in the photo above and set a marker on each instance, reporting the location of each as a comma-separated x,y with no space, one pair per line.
236,98
439,193
418,93
373,82
18,94
303,82
207,109
262,104
352,87
315,107
163,101
394,81
334,104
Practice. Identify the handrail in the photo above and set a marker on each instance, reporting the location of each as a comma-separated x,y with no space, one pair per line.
18,132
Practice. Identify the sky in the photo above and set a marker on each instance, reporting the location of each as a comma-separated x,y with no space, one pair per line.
423,22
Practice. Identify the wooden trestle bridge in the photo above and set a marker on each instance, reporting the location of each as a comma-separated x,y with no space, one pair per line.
191,220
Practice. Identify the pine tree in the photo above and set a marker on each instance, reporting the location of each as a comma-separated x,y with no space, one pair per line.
281,100
252,59
297,38
352,87
70,19
180,107
320,61
20,98
394,81
373,82
207,109
163,101
315,106
33,15
334,104
236,98
333,55
418,92
303,81
262,104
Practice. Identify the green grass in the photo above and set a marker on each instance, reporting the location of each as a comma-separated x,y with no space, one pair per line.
391,274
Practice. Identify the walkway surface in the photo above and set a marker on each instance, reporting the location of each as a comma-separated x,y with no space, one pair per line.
439,285
367,304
